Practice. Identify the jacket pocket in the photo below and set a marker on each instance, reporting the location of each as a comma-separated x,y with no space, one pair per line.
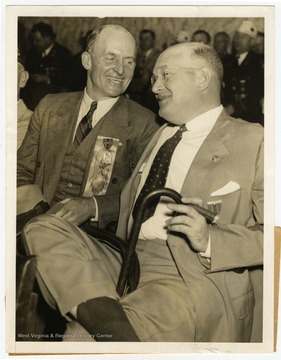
240,291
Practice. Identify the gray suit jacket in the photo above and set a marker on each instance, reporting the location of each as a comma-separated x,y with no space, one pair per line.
42,153
224,291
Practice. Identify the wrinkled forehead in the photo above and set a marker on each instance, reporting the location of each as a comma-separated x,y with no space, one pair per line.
116,34
175,56
115,40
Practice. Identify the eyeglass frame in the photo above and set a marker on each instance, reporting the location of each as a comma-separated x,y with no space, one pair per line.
154,78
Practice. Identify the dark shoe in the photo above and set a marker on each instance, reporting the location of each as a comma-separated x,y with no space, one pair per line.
105,319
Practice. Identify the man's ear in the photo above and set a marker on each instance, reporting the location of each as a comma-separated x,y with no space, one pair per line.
203,78
86,60
24,76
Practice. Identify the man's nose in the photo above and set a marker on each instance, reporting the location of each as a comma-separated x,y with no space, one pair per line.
119,67
157,85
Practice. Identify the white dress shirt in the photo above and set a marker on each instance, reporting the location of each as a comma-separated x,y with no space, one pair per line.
103,106
185,152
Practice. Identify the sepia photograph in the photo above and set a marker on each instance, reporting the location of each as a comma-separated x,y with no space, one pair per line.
140,164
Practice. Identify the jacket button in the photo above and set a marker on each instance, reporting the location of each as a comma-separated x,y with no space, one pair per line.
69,185
114,180
38,164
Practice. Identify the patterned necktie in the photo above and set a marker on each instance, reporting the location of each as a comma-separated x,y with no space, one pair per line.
85,126
158,172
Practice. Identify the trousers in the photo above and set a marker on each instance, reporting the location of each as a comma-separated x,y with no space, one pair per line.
74,267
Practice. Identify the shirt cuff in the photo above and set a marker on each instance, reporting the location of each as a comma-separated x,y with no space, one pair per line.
207,252
96,218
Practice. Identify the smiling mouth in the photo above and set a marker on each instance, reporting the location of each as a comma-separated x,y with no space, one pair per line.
114,80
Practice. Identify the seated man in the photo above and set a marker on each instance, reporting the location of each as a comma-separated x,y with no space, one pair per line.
198,282
81,147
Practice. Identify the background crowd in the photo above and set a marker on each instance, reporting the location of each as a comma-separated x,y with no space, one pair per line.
82,147
51,50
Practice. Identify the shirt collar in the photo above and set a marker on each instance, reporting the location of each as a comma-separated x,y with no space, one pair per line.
204,121
103,106
242,57
148,52
48,50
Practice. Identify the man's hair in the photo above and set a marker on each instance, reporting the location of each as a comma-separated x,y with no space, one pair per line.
208,55
94,35
44,29
208,36
147,31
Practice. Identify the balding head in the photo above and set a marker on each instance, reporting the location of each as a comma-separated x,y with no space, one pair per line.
105,31
198,54
189,83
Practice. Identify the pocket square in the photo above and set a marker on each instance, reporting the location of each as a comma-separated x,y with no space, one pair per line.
230,187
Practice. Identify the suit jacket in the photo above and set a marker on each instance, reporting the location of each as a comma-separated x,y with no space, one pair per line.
42,153
223,289
55,65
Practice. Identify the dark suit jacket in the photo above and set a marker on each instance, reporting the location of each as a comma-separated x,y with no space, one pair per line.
244,87
222,290
42,153
140,86
55,65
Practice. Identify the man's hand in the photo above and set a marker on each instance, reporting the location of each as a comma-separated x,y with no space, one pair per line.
190,223
75,210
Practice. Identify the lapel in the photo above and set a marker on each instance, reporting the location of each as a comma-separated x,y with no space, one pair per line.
211,153
59,130
120,113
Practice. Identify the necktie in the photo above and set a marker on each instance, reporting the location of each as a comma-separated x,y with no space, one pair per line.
158,172
85,126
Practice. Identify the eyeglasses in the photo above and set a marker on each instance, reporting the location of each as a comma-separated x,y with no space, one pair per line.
164,73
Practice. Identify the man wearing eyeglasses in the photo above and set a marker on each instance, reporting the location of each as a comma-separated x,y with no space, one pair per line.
198,282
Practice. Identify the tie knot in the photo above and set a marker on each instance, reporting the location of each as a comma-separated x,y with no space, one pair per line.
93,107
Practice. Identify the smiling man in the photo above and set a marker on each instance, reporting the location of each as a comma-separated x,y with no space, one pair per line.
80,148
198,281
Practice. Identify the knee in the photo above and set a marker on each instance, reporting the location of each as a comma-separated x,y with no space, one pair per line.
40,222
38,229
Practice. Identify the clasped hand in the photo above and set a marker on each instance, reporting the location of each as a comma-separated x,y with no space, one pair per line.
190,223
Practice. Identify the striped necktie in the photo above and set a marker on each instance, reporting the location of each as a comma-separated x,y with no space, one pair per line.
157,176
85,126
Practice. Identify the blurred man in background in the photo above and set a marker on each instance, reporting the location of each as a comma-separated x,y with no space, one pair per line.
47,64
244,78
140,87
